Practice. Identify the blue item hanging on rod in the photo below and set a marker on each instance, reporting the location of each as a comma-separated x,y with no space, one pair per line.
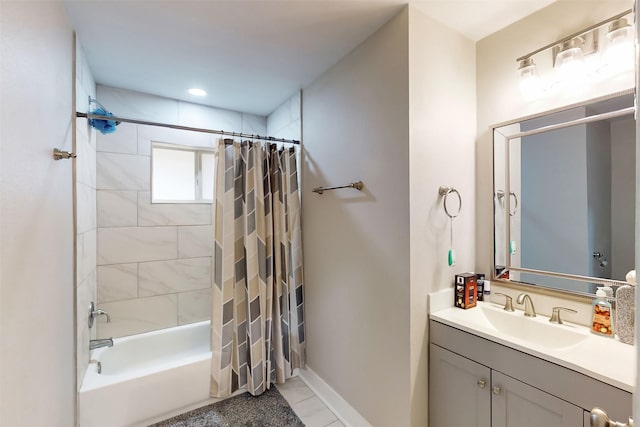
104,126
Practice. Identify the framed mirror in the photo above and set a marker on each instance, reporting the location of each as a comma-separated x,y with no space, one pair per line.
564,196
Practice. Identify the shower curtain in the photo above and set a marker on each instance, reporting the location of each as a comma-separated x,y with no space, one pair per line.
257,324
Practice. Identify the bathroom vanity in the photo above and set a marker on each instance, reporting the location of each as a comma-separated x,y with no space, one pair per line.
493,368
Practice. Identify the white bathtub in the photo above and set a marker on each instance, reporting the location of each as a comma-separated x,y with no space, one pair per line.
147,375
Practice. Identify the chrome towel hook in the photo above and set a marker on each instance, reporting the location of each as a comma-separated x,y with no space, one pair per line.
444,192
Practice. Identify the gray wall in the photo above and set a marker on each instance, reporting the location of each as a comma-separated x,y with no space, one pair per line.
442,90
554,201
498,95
356,244
623,196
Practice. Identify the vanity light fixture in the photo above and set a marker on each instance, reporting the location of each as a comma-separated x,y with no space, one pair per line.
573,56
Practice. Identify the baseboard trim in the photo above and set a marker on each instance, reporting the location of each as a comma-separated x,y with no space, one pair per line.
340,407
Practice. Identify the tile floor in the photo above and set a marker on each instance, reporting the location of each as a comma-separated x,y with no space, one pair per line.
311,410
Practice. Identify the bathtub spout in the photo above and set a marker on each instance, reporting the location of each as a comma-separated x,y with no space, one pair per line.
93,344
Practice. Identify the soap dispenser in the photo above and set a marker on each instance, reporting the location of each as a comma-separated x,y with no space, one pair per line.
602,322
625,309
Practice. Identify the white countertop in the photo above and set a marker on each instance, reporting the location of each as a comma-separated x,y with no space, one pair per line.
603,358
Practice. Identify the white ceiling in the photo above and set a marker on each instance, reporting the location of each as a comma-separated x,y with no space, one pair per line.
249,55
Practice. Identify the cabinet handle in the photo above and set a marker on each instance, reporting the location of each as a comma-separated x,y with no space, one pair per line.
482,383
599,418
497,390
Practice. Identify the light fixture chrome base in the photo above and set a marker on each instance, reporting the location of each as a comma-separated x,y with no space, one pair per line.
587,42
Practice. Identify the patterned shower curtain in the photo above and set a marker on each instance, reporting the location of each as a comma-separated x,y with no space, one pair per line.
257,324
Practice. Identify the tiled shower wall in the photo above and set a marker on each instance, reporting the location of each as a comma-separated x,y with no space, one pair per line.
154,260
285,121
85,164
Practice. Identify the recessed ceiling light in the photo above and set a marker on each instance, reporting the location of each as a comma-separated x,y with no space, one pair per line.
197,92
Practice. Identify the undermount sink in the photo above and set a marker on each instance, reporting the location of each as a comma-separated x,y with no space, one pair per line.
536,330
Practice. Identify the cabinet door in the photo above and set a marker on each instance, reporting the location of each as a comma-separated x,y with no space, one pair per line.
516,404
459,392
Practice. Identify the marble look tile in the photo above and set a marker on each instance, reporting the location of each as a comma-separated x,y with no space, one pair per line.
92,139
138,315
119,245
194,306
82,97
253,124
86,160
294,390
117,208
292,130
284,121
117,282
79,56
195,241
123,172
313,412
149,134
84,295
86,80
336,423
124,140
137,105
165,277
144,142
200,116
85,208
278,118
86,254
294,106
171,213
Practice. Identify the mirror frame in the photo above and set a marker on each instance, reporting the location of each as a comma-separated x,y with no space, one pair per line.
507,200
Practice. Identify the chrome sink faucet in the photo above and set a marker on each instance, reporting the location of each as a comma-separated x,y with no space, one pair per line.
529,309
93,344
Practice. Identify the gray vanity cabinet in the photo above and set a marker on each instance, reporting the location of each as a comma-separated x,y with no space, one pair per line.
475,382
466,393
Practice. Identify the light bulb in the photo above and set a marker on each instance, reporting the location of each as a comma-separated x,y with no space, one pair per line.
619,53
530,82
569,66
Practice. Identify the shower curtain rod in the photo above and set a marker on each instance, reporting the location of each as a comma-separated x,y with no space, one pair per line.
166,125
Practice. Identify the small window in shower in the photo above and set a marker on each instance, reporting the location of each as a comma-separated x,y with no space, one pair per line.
181,174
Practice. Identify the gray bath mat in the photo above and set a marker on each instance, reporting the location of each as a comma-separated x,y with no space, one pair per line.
269,409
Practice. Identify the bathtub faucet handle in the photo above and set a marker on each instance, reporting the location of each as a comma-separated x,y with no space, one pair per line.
93,313
99,312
